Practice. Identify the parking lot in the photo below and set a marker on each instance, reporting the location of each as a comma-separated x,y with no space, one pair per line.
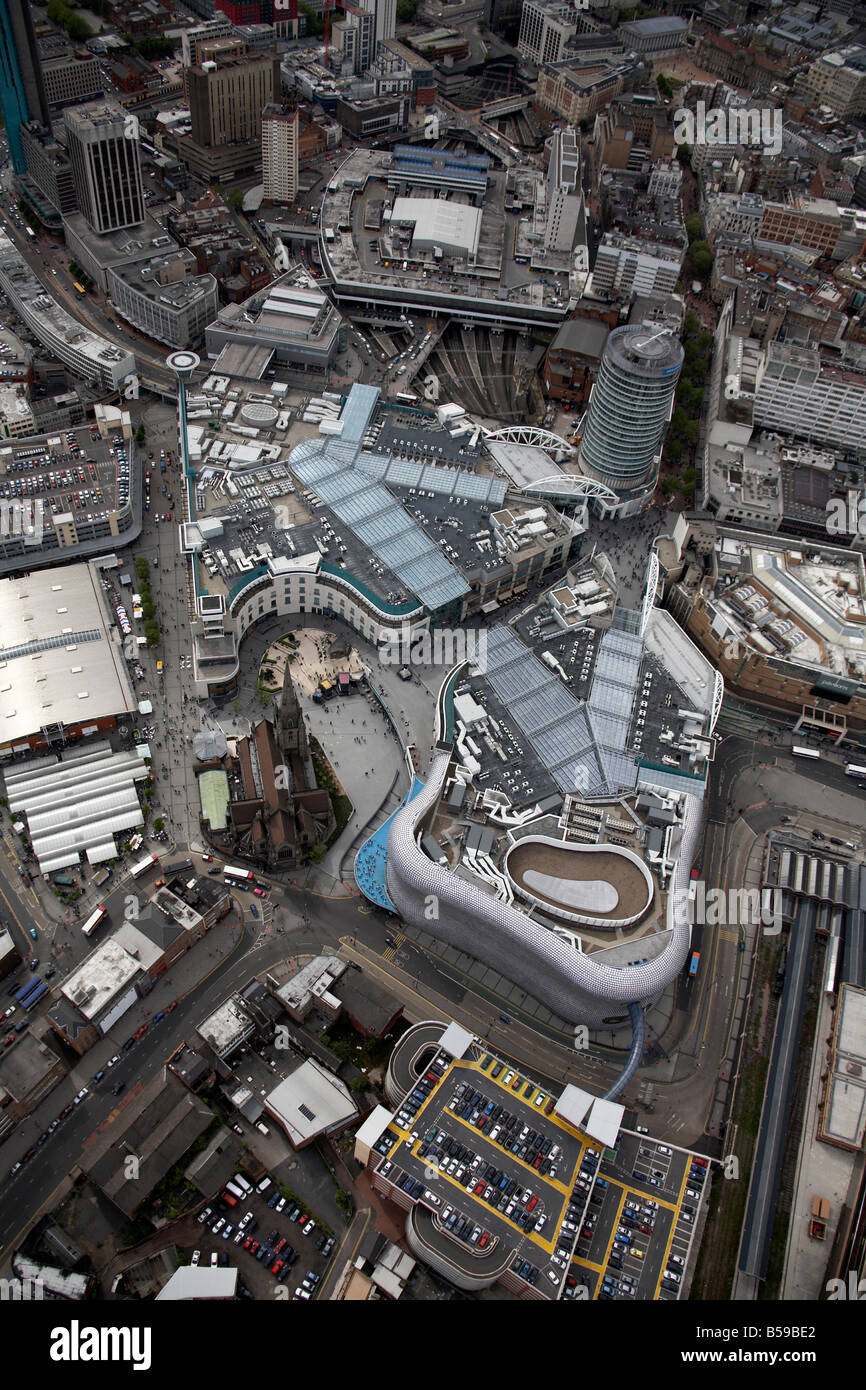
477,1143
75,471
639,1218
271,1240
507,1183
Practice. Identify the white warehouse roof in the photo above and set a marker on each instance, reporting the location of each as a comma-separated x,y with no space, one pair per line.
454,227
60,662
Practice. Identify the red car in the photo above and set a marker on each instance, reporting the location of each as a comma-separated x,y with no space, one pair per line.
277,1266
248,1243
532,1204
538,1162
172,1005
701,1162
142,1030
485,1240
280,1245
479,1188
207,858
259,892
482,1121
647,1230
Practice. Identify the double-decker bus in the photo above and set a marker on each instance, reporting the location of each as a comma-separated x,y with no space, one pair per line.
150,862
98,915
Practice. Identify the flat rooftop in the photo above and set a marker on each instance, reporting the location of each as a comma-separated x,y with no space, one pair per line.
60,661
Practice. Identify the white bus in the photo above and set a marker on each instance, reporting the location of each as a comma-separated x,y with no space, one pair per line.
805,752
143,865
236,875
406,398
852,770
98,915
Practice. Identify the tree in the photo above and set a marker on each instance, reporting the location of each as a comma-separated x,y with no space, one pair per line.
151,633
236,706
665,86
140,434
679,420
670,486
60,13
315,22
235,199
674,451
153,46
159,825
317,854
701,258
358,1083
694,226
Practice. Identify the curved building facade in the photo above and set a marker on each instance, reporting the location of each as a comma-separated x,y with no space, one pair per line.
577,987
629,409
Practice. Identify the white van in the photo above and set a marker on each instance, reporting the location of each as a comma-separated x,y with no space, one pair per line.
263,1129
263,1186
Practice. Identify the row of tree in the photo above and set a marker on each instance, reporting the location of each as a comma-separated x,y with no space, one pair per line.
148,607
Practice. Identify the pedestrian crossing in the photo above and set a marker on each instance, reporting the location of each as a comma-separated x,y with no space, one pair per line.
391,951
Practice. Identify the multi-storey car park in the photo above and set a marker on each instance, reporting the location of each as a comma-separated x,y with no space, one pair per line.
68,495
96,360
452,257
540,1190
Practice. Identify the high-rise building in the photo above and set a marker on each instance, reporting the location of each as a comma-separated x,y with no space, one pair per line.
355,36
629,408
102,143
545,28
48,168
226,98
22,94
566,220
280,152
385,16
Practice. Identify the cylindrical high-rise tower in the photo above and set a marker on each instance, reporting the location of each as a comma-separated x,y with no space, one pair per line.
630,405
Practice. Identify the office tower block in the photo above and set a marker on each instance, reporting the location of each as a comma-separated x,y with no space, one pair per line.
102,144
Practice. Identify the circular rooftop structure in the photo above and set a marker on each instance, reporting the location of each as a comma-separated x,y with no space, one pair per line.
183,363
600,886
257,413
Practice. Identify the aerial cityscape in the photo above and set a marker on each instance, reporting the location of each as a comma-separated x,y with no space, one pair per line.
433,647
